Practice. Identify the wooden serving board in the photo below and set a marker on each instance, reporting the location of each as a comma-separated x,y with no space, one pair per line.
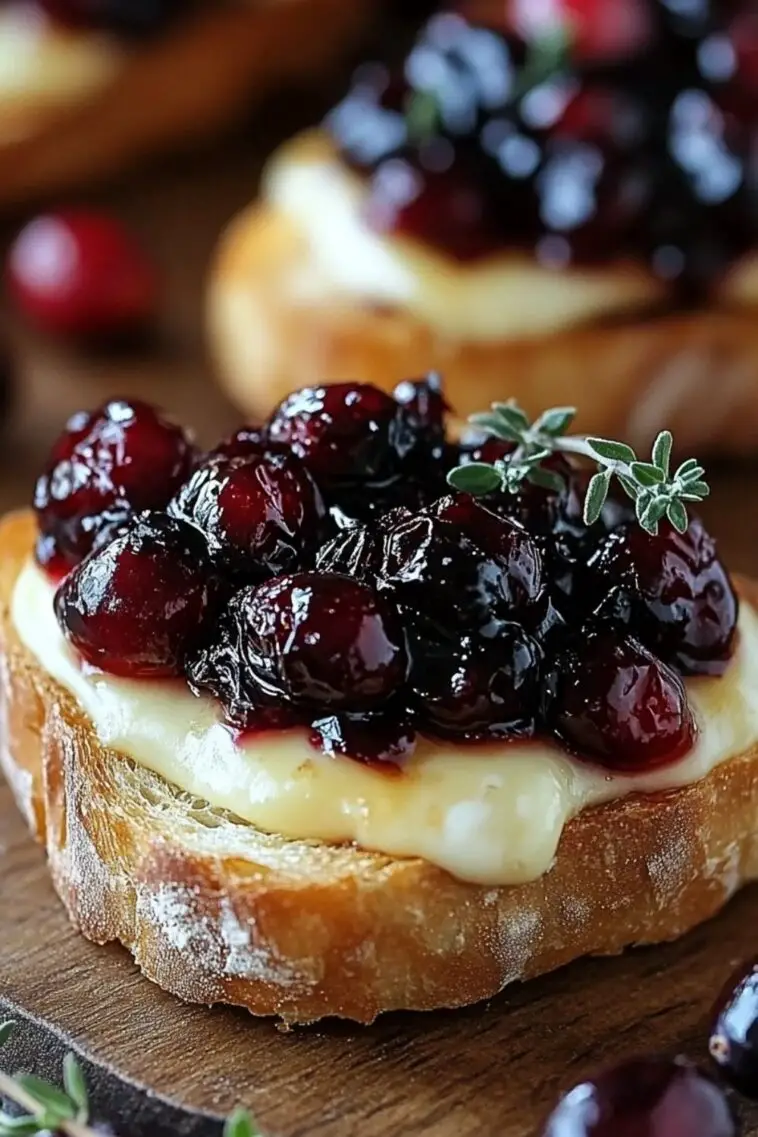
489,1071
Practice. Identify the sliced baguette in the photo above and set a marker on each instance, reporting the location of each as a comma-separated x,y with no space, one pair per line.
188,83
630,363
214,910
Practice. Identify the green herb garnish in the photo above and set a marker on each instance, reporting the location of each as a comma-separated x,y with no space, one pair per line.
656,492
50,1109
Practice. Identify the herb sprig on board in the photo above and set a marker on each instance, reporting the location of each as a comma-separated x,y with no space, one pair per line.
656,491
66,1110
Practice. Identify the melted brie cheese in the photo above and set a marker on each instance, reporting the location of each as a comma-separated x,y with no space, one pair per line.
491,814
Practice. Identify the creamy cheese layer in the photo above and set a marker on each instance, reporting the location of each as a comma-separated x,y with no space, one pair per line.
489,814
43,66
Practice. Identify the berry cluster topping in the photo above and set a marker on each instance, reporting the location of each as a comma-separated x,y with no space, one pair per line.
578,130
322,572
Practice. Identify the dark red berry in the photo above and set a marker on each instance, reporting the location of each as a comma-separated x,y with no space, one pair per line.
122,458
479,689
461,567
617,704
81,274
260,515
683,604
247,442
322,641
646,1097
424,409
734,1035
384,739
136,606
344,431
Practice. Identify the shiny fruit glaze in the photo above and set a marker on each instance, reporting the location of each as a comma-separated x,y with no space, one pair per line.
647,1097
733,1040
106,466
81,274
339,587
578,131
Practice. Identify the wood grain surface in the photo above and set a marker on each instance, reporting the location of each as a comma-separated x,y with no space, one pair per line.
489,1071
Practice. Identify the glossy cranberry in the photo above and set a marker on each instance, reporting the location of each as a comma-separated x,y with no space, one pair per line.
247,442
81,274
120,459
125,17
479,689
734,1035
384,739
447,207
462,578
424,410
260,515
135,607
617,704
646,1097
598,30
683,604
344,431
322,641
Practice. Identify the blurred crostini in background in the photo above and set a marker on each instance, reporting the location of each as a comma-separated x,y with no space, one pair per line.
555,201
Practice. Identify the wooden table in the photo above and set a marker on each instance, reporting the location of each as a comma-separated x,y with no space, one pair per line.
485,1071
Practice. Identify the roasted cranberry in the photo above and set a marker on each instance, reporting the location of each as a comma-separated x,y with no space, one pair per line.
344,431
424,409
597,30
122,458
81,274
479,689
683,604
136,606
260,515
734,1035
323,641
383,739
247,442
646,1097
616,703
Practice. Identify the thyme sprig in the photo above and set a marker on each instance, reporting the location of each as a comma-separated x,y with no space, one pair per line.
50,1109
656,492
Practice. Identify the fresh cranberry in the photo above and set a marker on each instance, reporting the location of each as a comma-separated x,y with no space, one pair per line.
135,607
683,604
596,30
124,17
617,704
81,274
260,515
344,431
734,1034
438,570
479,689
121,458
320,640
384,739
646,1097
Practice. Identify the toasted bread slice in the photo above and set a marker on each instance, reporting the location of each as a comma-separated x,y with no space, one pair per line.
607,341
185,85
214,910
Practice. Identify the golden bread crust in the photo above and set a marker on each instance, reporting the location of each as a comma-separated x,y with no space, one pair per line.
216,911
188,84
629,377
